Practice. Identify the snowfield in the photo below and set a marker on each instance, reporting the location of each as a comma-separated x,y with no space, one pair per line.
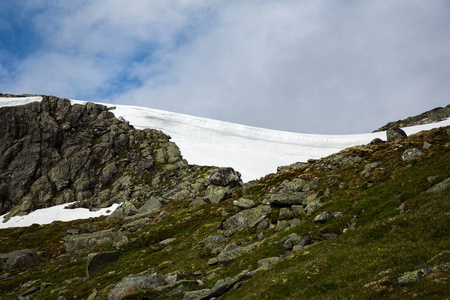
252,151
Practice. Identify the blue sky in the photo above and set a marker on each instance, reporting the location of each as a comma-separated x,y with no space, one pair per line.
320,66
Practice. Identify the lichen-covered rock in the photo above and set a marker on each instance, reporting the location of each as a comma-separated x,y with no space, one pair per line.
216,194
153,204
440,186
135,283
411,154
18,259
125,209
74,243
244,203
231,252
247,218
290,241
395,133
214,241
323,217
284,199
266,263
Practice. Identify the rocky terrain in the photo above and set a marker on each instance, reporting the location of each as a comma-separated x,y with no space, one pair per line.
368,222
435,115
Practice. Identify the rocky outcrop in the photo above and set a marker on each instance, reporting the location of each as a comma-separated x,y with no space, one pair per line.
18,259
53,152
435,115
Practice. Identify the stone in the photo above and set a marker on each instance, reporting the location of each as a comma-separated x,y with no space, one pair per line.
125,209
18,259
426,145
197,295
342,185
135,283
287,224
414,276
247,218
99,261
216,194
266,263
411,153
153,204
395,133
225,177
431,179
287,199
78,242
440,186
244,203
290,241
376,141
231,252
323,217
214,241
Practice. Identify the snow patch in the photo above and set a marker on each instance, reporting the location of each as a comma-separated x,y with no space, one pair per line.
55,213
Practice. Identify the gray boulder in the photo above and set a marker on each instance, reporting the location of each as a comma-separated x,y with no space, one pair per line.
153,204
18,259
290,241
216,194
135,283
99,261
284,199
323,217
125,209
231,252
440,186
247,218
395,133
74,243
225,177
244,203
411,154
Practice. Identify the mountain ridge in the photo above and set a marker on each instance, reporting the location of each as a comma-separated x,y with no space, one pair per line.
367,222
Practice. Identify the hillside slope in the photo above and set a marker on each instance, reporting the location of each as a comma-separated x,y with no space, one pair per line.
369,222
254,152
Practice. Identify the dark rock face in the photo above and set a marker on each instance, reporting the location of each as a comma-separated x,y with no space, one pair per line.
99,261
18,259
52,152
225,177
395,133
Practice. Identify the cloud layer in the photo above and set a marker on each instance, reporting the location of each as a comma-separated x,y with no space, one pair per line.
305,66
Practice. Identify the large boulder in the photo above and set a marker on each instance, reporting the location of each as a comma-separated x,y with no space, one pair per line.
225,177
395,133
99,261
135,283
248,218
78,242
18,259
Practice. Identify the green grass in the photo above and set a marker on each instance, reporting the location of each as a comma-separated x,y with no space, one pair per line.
360,264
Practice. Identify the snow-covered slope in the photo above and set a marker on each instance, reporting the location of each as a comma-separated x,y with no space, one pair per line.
254,152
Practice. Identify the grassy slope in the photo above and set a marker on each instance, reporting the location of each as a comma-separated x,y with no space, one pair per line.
361,264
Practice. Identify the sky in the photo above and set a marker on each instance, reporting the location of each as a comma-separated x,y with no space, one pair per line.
322,66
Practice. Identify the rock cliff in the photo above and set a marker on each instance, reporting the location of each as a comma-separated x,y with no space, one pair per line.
52,152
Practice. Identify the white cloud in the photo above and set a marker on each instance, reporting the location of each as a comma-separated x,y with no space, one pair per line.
307,66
